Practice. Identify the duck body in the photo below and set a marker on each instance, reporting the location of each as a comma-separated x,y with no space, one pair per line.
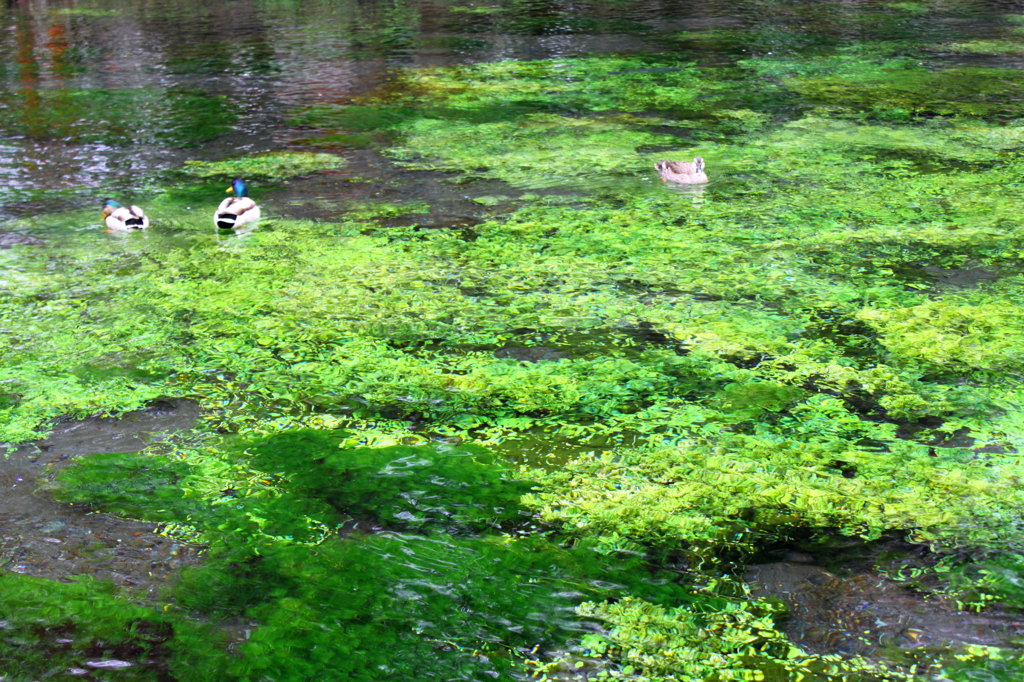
238,210
123,219
682,172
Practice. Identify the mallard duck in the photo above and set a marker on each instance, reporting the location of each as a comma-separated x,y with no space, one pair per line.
237,210
117,217
683,172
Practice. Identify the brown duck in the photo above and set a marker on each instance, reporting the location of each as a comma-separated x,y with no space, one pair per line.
683,172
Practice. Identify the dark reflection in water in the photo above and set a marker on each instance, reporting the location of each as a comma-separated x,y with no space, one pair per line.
99,100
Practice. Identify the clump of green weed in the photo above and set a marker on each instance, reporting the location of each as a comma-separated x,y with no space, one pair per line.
274,166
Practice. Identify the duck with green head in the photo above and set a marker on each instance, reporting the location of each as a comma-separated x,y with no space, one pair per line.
122,219
238,210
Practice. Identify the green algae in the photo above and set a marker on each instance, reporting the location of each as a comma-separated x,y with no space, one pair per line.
899,89
596,84
542,150
275,166
911,7
801,371
733,491
85,11
987,47
952,334
456,487
50,628
136,487
118,117
482,607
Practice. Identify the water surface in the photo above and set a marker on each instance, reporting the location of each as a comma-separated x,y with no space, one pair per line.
822,343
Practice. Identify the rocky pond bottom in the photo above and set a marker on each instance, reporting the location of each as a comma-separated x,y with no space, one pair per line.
43,537
867,613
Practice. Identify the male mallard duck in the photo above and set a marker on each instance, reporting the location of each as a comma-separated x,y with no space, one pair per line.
117,217
683,172
237,210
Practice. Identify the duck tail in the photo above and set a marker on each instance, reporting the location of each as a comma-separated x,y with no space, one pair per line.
137,219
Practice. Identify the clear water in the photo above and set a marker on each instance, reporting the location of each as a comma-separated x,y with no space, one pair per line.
111,99
103,99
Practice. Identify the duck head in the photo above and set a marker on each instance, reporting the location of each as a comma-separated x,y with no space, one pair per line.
239,187
109,206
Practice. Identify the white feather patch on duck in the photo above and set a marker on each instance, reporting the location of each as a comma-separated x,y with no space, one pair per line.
236,211
125,219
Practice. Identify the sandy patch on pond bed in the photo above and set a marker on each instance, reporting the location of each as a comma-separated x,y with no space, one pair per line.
43,537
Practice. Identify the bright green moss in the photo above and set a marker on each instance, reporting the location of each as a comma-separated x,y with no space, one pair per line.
661,644
742,490
953,334
264,166
806,346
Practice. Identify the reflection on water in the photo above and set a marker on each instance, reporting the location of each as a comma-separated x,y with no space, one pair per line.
98,100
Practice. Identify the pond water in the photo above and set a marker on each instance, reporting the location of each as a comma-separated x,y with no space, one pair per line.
480,397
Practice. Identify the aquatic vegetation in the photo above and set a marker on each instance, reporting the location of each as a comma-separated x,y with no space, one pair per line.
740,643
85,11
895,89
84,626
532,117
540,151
477,10
432,603
912,7
595,84
455,486
739,490
953,334
823,343
118,116
276,166
138,487
988,47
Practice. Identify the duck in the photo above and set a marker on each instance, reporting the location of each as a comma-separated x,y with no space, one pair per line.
683,172
238,210
122,219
